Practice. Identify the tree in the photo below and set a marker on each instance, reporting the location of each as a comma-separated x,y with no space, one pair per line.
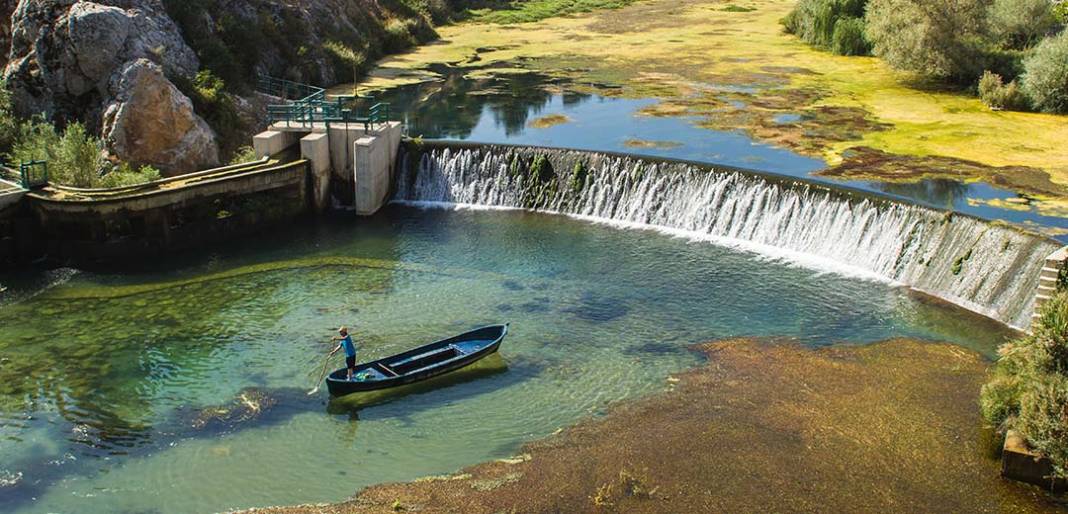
943,39
1045,77
1019,24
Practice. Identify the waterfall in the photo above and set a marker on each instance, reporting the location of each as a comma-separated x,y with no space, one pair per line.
985,267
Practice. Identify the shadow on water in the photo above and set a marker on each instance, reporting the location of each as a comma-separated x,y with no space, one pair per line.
358,405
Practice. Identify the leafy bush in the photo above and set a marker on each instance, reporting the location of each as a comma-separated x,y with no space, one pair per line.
217,106
1045,77
124,175
243,155
849,38
830,24
1028,390
997,95
1019,24
75,158
9,123
1060,12
937,38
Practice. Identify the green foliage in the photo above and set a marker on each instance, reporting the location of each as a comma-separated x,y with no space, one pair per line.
75,158
217,106
400,35
125,175
1028,389
834,25
737,8
1060,12
943,39
9,123
349,63
1019,24
243,155
849,38
997,95
1045,77
519,11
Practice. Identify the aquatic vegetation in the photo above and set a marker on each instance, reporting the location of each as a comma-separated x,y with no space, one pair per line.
527,11
678,52
642,143
549,121
898,391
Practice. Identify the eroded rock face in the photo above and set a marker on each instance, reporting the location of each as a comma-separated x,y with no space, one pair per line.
149,121
64,52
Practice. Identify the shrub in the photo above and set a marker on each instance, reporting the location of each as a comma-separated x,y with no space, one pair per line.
940,39
1020,24
1060,12
997,95
1028,390
243,155
1045,77
124,175
9,123
830,24
849,38
212,101
75,158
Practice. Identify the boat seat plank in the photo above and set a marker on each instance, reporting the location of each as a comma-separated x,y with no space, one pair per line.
385,369
437,364
423,355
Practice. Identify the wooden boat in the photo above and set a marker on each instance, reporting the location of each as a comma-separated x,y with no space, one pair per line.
419,364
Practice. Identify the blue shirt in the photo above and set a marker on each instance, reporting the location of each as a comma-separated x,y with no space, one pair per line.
350,349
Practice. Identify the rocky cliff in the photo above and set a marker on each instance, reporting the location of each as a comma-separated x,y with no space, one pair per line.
169,82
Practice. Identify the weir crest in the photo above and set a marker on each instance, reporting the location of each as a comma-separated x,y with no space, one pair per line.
982,266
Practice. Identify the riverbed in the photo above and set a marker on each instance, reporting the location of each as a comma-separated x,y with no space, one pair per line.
183,384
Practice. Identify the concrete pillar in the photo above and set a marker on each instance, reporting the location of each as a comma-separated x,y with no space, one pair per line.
272,142
371,167
316,149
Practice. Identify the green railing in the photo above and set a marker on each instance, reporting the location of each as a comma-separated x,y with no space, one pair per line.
33,174
309,104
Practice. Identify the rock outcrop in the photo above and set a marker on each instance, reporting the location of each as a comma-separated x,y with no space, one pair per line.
114,64
149,121
64,52
107,63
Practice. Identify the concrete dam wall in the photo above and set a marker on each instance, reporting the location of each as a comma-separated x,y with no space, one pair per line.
985,267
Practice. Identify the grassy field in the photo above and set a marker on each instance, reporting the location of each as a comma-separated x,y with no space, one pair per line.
700,57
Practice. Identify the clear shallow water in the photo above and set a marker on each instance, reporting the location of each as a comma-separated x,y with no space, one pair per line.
505,109
105,378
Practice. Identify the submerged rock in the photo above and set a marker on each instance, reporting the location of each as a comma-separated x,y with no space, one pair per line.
249,404
149,121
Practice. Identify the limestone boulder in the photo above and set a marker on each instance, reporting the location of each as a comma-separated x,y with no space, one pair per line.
149,121
64,53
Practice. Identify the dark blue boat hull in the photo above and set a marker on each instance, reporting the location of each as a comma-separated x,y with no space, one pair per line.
420,363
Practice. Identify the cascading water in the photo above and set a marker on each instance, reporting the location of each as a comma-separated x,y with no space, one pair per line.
984,267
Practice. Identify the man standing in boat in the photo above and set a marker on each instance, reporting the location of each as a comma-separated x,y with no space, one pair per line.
350,349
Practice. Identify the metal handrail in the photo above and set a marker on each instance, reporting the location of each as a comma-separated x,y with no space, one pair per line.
310,105
31,180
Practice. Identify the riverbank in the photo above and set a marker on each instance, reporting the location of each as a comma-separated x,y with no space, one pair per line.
735,69
764,426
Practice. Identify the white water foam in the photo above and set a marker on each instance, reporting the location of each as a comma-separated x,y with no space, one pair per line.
984,267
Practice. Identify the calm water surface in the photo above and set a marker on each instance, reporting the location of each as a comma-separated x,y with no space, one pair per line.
501,110
111,385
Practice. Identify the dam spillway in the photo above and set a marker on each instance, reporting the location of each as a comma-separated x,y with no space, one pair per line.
982,266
